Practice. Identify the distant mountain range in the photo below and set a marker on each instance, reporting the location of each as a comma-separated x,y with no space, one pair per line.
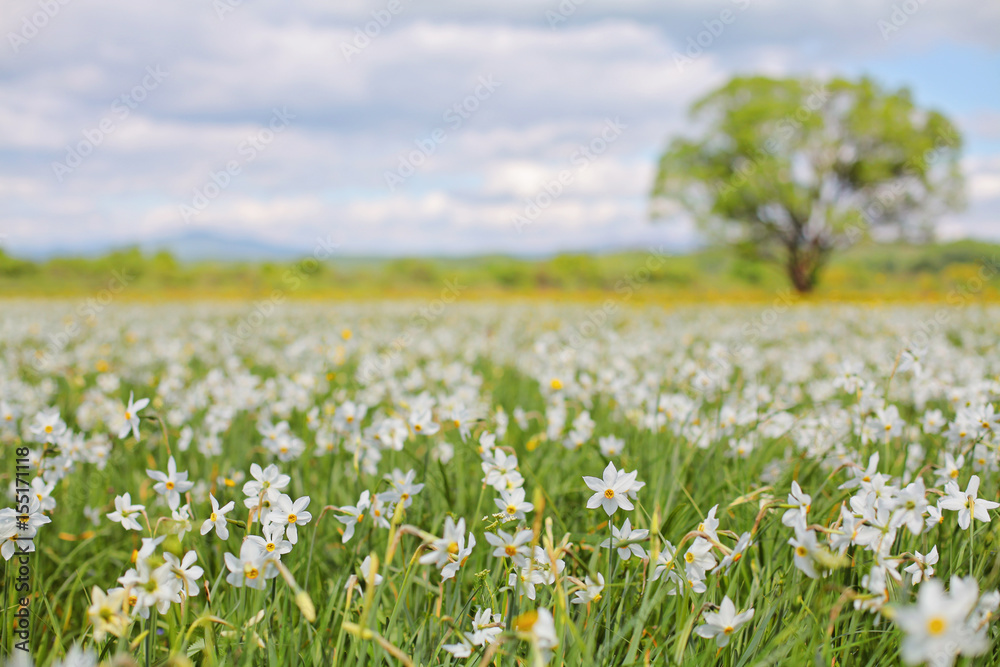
201,245
191,246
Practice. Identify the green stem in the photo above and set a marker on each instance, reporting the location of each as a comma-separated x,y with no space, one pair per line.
607,584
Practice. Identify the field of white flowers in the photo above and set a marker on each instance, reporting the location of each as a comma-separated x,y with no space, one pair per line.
526,484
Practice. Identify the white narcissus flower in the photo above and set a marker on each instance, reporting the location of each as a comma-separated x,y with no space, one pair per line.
514,547
48,425
450,551
107,613
805,546
611,490
217,519
172,484
699,559
291,515
624,535
186,571
922,566
800,502
736,554
269,482
721,624
131,416
250,569
353,515
126,513
423,423
513,504
591,591
539,627
968,505
366,570
937,627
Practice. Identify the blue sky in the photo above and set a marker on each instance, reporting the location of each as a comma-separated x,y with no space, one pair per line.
172,103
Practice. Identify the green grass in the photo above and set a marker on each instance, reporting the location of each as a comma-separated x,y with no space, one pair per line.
798,621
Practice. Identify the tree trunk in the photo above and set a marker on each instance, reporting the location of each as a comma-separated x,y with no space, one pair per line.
804,265
803,275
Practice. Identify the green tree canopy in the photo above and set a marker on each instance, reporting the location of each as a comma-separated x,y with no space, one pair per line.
792,169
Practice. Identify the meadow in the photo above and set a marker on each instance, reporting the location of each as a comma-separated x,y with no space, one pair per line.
436,482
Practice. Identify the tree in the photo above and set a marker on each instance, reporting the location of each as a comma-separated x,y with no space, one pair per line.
790,170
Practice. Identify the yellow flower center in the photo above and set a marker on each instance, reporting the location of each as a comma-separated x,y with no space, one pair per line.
953,474
556,384
610,493
292,518
417,427
728,630
170,486
128,415
801,551
689,557
250,572
270,546
453,548
511,509
936,625
214,517
510,549
48,428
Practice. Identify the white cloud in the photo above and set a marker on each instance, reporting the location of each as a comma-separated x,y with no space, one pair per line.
353,120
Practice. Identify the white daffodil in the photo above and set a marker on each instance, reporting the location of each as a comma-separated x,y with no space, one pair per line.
513,505
611,490
968,505
217,519
352,515
514,546
130,418
291,515
800,502
923,565
126,513
591,590
172,484
624,540
722,624
937,627
186,571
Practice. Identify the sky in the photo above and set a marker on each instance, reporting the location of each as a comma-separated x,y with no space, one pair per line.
440,127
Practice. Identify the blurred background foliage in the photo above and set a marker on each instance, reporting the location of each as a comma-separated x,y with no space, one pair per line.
868,271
